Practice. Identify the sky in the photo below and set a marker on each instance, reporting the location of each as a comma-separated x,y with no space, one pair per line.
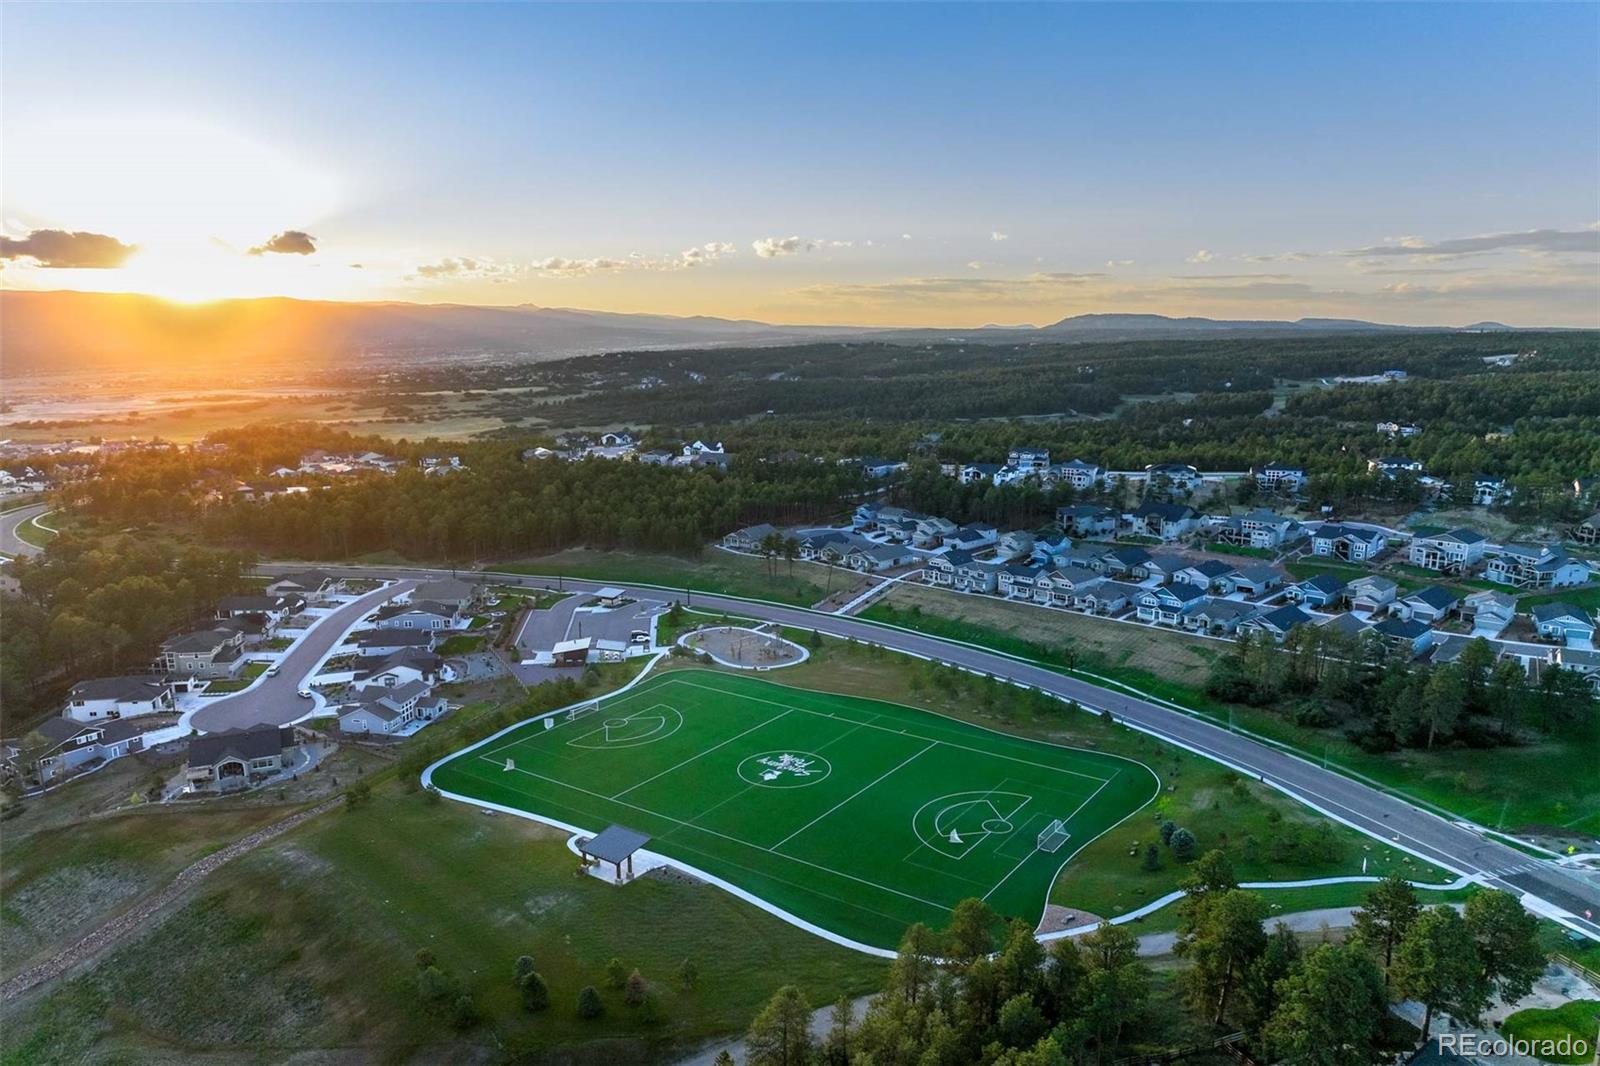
893,164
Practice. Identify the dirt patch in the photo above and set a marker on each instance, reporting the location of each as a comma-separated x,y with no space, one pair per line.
1057,918
48,908
753,649
672,875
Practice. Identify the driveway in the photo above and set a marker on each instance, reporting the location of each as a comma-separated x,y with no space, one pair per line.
273,699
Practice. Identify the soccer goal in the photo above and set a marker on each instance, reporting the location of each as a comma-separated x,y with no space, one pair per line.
583,710
1052,836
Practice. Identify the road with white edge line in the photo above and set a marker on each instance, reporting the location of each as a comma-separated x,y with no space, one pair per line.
1456,846
10,543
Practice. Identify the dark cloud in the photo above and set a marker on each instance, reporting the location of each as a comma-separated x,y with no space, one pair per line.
1537,240
289,242
59,248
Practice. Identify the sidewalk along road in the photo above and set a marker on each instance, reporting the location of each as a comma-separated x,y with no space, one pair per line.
273,700
1381,815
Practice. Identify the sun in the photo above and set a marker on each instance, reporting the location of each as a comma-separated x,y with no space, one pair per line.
193,196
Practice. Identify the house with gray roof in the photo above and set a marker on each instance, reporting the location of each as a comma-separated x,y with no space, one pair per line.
236,759
389,711
1319,590
1406,633
1535,566
1217,617
110,698
204,653
1563,622
1355,544
1450,552
1432,604
1276,624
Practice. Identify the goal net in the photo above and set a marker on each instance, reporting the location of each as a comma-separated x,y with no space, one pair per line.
1052,836
583,710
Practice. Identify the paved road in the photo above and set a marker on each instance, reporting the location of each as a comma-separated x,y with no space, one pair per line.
273,699
1455,847
10,543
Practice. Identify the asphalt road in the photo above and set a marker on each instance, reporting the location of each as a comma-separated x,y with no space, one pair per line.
1451,845
10,543
273,699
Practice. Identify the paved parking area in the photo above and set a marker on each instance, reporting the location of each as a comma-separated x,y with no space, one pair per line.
573,618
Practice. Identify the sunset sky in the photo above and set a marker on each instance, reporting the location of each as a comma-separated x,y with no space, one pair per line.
895,164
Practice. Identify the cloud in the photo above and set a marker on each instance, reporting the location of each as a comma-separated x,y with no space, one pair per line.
701,254
1280,257
773,247
1202,256
1537,240
560,267
905,236
1119,262
289,242
975,265
63,249
998,236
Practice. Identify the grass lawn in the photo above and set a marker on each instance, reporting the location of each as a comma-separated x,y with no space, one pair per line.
37,535
1237,549
461,644
716,571
1586,596
309,944
1546,783
860,816
1578,1021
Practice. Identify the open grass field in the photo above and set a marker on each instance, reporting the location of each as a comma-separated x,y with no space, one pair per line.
801,583
858,816
1578,1022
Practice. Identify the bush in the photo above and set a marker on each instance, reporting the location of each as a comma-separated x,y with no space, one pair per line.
688,974
464,1013
1152,858
524,966
1168,828
1184,845
589,1005
437,987
637,990
535,993
616,973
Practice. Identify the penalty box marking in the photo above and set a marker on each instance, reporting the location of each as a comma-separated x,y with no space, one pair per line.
671,721
977,796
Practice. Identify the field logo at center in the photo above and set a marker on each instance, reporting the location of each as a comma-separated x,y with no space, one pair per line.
784,769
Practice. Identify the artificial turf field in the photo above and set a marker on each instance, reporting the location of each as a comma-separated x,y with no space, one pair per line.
858,816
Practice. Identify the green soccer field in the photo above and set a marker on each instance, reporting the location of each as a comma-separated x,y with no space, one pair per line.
858,816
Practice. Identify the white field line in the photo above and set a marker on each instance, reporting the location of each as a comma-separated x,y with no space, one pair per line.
700,754
881,777
1030,854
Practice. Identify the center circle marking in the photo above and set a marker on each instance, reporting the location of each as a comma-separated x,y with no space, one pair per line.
784,768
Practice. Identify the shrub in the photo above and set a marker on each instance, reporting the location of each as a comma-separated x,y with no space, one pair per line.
589,1005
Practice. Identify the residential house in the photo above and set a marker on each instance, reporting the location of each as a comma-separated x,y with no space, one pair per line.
386,712
205,653
1254,579
1391,466
1031,461
813,545
971,538
1258,529
618,439
1319,590
1165,521
398,668
1432,604
272,609
1015,581
1489,489
1014,544
1207,573
1276,623
1354,543
1079,474
1398,429
60,747
870,516
931,531
1542,566
450,591
972,473
653,457
1061,587
311,584
1284,478
1450,553
238,758
1165,604
870,558
876,468
1371,593
1179,477
380,642
1563,622
417,614
1123,562
1109,597
1087,521
1217,617
1405,633
1489,610
1582,661
941,569
1588,531
978,575
110,698
1163,566
1347,624
749,538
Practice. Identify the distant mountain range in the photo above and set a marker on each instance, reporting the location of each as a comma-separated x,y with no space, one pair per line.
42,332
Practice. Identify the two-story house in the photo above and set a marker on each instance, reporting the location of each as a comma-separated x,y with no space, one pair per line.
1087,521
1451,552
1078,473
1529,566
1282,478
1165,521
1258,529
110,698
205,653
1356,544
1165,604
